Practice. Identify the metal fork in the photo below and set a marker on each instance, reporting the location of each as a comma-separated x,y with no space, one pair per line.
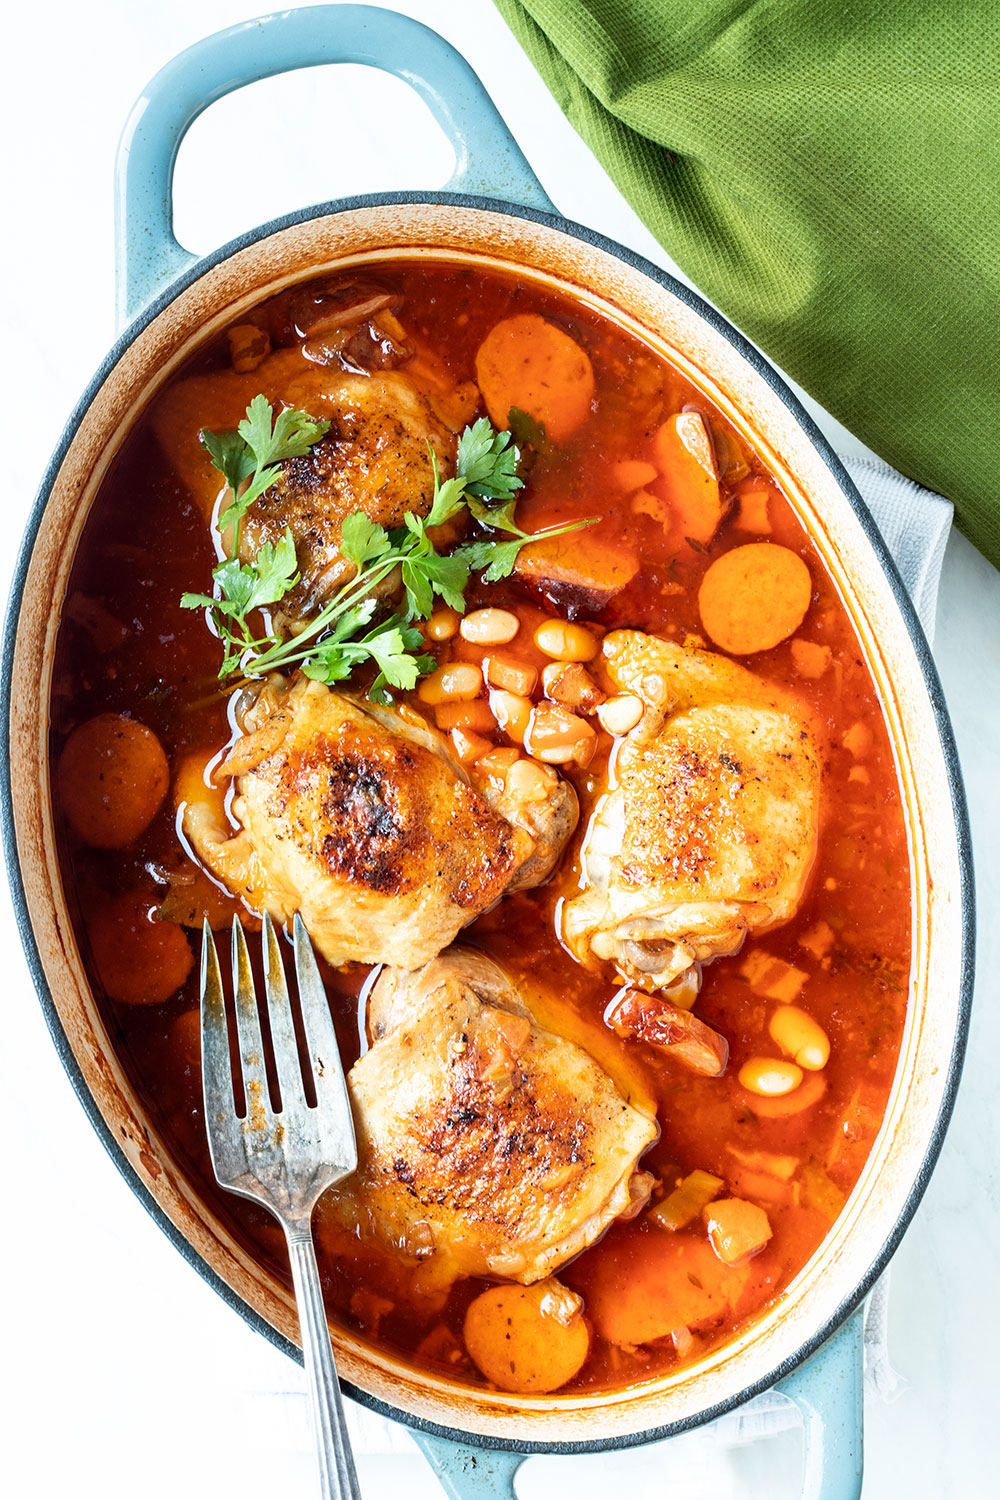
284,1158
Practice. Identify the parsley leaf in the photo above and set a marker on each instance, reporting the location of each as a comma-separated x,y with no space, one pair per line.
487,464
527,431
496,559
253,452
362,540
341,637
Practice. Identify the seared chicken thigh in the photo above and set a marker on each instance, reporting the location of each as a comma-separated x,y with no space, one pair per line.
376,457
709,829
359,818
484,1141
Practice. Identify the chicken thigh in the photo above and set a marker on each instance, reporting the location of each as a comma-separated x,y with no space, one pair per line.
359,818
376,457
709,828
485,1142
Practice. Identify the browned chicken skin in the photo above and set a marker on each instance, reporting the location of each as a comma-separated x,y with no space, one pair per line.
376,458
484,1141
359,818
709,830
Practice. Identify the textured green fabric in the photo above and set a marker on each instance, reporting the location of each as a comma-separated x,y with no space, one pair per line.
828,173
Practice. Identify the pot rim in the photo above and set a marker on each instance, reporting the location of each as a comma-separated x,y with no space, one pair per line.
777,385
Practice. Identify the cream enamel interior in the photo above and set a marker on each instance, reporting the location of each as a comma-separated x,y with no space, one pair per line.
627,294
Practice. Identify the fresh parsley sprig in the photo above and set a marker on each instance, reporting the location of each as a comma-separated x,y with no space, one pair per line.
330,646
249,460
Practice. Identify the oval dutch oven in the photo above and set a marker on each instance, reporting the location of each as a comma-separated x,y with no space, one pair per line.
809,1342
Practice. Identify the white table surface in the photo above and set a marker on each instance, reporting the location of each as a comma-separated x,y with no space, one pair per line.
122,1373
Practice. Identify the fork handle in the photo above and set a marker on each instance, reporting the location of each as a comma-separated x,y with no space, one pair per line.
338,1478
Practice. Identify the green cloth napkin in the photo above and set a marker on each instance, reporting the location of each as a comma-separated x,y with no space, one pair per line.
826,172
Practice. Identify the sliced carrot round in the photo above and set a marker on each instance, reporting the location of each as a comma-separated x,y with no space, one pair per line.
112,778
139,960
529,363
521,1346
754,597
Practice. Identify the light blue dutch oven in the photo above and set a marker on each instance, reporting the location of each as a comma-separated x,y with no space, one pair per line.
495,212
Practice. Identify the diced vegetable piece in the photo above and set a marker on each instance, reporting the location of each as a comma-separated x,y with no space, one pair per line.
557,736
682,451
569,683
112,778
679,1208
736,1228
645,1288
772,977
529,363
858,740
754,597
820,1192
139,960
633,474
763,1188
502,670
818,939
579,571
474,716
653,1019
527,1339
777,1165
694,438
809,658
469,746
644,503
752,514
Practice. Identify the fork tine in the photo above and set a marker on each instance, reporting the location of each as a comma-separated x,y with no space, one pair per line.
324,1053
248,1029
215,1066
279,1008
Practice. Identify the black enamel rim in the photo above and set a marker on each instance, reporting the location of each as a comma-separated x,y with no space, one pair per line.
931,681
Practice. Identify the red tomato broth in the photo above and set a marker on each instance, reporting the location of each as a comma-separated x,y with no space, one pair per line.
125,646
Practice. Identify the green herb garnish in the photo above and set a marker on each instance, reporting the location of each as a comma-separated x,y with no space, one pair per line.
339,639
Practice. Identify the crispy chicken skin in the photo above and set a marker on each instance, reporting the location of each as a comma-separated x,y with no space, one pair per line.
359,818
709,829
375,457
484,1141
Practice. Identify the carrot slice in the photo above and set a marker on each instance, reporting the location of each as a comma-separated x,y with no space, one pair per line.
530,1339
642,1288
682,451
139,960
754,597
737,1229
529,363
112,777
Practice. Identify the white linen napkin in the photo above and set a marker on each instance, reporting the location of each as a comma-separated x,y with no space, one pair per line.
915,524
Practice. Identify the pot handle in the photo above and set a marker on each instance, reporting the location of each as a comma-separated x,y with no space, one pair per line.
827,1389
489,163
